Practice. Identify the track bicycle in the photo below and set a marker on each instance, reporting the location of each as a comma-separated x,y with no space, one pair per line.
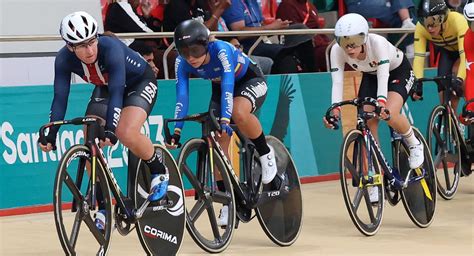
451,154
363,166
277,205
83,169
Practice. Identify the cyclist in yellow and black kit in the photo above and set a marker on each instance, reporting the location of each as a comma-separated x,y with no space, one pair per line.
446,30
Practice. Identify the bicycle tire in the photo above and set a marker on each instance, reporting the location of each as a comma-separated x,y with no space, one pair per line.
215,240
448,181
160,230
419,198
351,162
68,178
281,219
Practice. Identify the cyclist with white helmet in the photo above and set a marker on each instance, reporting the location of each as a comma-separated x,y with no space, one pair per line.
387,76
238,90
469,51
124,94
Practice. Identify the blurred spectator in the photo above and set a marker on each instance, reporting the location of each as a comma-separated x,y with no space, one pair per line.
393,13
303,11
206,11
147,53
121,18
151,12
456,5
245,15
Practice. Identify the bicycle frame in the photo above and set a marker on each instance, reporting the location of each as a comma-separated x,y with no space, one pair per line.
97,161
390,173
251,198
373,148
451,115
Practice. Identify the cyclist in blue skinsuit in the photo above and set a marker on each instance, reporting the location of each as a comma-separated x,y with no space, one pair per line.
124,95
238,90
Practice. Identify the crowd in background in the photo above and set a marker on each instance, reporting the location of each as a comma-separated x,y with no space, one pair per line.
276,54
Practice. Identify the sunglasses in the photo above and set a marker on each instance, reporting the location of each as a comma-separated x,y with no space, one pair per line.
83,46
351,41
433,21
195,51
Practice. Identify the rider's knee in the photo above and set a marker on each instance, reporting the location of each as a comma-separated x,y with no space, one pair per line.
125,134
240,116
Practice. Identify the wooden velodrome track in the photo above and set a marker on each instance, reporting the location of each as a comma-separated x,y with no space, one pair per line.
327,230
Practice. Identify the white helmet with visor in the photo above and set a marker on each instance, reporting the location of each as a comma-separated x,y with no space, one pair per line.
351,30
469,14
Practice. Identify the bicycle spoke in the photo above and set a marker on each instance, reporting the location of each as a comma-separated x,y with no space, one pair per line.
72,187
76,228
452,158
93,228
369,206
439,140
197,210
438,159
214,226
446,177
357,199
193,180
352,169
221,197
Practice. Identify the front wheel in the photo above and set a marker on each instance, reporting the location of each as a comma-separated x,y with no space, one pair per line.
161,228
196,165
360,175
281,218
444,144
72,201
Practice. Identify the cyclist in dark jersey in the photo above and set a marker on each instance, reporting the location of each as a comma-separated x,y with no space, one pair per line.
238,90
124,95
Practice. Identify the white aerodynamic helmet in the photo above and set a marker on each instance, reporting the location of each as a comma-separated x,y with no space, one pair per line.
469,11
351,30
78,27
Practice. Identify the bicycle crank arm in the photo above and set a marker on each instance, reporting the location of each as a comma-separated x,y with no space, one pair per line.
141,210
162,205
423,183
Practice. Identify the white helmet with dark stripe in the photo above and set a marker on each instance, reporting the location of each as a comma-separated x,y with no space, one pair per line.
78,27
469,11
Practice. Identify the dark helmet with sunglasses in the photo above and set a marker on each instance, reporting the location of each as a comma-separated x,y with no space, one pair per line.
351,30
433,13
191,38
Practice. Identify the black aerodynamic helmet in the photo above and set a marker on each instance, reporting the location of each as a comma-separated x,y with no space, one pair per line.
430,9
191,37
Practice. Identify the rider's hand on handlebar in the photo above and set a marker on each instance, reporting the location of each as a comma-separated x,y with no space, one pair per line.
109,139
225,128
50,144
173,142
456,84
336,113
417,93
384,113
46,148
